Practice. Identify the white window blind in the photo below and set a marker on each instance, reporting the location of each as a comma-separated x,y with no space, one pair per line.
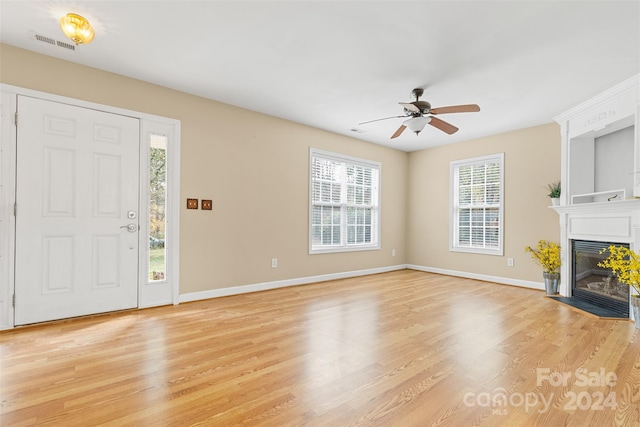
477,204
344,199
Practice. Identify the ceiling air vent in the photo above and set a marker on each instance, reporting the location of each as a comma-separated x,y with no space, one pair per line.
65,45
53,42
45,39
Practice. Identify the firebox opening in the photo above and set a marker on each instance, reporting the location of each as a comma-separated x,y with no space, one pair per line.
594,284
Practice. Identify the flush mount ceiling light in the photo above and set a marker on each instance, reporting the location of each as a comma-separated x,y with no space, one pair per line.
77,28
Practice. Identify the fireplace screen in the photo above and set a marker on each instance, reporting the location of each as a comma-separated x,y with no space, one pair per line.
595,284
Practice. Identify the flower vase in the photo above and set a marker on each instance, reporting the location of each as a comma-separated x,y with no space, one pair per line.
635,307
555,201
551,281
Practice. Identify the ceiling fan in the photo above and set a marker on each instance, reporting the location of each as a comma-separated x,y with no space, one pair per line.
420,114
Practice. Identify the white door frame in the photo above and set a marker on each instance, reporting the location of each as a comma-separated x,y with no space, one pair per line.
150,293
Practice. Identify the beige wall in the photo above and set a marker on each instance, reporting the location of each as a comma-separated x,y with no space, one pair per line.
532,160
254,168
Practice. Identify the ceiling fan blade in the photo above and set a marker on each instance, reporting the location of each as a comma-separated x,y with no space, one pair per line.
384,118
399,131
468,108
410,106
443,126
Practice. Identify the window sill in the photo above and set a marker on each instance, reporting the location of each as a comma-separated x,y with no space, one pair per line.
331,250
496,252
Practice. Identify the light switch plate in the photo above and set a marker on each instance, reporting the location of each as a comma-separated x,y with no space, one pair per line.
206,205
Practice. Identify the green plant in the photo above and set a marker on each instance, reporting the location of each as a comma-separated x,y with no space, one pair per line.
547,254
625,265
554,189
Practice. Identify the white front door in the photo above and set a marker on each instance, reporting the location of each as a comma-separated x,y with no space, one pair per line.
77,204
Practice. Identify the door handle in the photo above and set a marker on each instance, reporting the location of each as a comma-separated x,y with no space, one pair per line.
131,228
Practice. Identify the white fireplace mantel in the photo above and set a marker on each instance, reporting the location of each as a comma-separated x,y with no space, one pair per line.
600,208
615,222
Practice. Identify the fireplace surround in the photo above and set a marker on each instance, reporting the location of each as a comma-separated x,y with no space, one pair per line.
600,200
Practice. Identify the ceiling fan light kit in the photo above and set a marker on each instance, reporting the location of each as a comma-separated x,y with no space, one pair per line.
420,114
416,124
77,28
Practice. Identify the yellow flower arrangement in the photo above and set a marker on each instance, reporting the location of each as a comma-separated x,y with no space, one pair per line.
547,254
625,265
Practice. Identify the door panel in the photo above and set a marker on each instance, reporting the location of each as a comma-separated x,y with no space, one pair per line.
58,264
77,177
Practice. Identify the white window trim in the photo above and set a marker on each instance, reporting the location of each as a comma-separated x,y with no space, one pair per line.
452,205
376,229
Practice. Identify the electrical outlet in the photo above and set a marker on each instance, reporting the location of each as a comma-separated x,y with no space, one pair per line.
393,252
509,262
274,263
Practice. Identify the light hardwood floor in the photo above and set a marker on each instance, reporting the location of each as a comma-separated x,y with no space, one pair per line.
405,348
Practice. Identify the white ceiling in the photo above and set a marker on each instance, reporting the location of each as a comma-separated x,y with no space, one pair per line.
334,64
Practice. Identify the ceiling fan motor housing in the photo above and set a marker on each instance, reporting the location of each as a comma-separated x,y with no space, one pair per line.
423,106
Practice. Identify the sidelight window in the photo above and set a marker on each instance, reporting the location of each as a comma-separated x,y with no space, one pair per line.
157,207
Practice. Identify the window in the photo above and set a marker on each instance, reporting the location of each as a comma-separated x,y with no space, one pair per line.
477,204
344,203
160,212
157,206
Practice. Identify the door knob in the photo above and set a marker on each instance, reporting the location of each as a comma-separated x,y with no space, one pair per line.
131,228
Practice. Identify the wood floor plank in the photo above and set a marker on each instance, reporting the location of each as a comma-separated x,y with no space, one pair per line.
405,348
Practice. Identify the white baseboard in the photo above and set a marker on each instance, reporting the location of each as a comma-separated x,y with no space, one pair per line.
256,287
237,290
484,277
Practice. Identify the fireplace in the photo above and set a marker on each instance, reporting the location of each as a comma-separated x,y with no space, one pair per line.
600,200
594,284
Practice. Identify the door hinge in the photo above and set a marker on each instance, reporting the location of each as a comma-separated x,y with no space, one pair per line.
15,118
13,301
15,209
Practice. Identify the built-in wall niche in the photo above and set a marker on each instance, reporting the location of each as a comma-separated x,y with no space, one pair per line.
602,164
614,161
